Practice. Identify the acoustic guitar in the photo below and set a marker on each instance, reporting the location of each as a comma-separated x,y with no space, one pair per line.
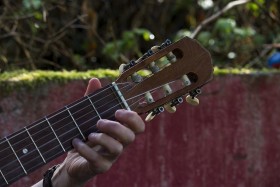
175,69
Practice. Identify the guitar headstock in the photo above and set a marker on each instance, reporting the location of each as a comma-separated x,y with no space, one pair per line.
177,69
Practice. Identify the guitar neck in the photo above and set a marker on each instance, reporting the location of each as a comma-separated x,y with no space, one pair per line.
187,67
46,139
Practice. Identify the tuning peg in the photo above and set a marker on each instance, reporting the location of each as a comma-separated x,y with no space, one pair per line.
169,108
171,57
150,117
136,77
153,113
192,100
122,68
155,48
186,80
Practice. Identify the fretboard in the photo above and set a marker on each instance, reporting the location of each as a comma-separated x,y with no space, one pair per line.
46,139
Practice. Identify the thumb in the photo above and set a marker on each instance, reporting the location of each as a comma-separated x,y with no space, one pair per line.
93,85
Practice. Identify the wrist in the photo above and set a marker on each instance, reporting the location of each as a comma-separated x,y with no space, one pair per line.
47,180
61,178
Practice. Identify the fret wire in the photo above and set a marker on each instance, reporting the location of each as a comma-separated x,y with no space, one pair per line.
55,134
94,94
67,140
94,107
16,155
64,110
35,144
72,106
60,112
120,95
75,123
4,177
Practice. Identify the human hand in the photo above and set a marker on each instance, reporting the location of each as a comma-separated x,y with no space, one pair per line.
101,150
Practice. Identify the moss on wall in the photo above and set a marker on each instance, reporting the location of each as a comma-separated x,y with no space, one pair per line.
11,81
243,71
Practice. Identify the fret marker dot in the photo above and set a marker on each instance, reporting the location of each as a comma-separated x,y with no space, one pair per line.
25,151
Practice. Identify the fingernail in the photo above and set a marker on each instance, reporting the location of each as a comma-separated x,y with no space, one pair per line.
76,141
99,122
119,113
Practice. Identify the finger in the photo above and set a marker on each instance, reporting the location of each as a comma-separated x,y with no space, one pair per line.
116,131
93,85
131,120
111,148
98,164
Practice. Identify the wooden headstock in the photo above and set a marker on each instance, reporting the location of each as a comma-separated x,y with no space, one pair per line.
176,69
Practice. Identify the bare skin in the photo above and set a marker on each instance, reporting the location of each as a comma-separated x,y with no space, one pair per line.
101,150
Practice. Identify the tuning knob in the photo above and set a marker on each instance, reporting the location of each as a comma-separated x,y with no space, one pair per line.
122,68
153,113
149,117
192,100
169,108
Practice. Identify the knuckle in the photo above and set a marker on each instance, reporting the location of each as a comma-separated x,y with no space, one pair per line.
118,149
141,127
105,167
96,137
130,138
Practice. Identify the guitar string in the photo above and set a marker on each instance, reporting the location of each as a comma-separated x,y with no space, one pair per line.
91,119
55,155
34,166
51,133
83,123
27,137
107,110
65,110
72,114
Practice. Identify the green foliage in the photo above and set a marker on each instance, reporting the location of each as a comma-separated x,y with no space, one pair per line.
230,44
254,7
32,4
81,35
128,43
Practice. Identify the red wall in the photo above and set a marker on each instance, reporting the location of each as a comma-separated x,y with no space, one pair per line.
231,139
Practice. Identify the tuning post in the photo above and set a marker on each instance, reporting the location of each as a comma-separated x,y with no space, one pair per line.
171,57
135,77
153,113
186,80
168,107
192,99
149,98
124,67
153,67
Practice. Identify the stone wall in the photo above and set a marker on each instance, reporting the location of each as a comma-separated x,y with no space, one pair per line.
231,139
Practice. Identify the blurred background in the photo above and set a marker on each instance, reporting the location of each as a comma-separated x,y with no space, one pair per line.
231,139
81,35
